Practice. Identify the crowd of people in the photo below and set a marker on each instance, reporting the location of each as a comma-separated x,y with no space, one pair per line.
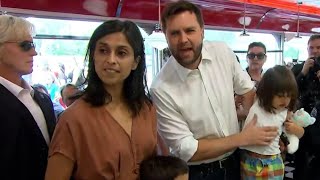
204,117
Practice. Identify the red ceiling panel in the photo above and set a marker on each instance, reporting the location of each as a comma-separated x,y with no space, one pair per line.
86,7
289,5
269,15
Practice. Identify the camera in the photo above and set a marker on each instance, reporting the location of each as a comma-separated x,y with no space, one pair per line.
316,66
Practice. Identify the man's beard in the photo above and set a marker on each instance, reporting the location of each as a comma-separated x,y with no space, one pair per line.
197,54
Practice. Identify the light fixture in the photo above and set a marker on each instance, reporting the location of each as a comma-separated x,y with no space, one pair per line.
97,7
244,33
298,21
245,21
285,27
288,36
316,29
157,39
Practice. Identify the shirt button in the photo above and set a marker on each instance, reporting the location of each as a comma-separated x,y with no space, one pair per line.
135,171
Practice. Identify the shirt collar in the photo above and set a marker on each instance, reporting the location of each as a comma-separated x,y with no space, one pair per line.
184,72
15,89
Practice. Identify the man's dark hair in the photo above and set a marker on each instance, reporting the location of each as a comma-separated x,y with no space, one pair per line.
277,81
257,44
64,87
314,37
174,8
162,168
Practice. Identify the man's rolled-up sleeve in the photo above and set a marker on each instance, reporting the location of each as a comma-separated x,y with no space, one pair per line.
173,127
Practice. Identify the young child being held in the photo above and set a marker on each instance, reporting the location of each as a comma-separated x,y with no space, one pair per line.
276,95
164,168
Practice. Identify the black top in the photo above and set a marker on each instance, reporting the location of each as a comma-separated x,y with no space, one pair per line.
309,87
256,83
23,149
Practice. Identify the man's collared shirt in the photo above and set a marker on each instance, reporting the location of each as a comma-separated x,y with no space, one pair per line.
194,104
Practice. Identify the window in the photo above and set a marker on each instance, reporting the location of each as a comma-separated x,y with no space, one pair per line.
61,46
240,44
296,49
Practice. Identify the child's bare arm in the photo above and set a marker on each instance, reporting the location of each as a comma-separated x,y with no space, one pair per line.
293,128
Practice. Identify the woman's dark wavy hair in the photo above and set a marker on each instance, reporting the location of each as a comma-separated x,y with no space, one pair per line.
135,88
276,81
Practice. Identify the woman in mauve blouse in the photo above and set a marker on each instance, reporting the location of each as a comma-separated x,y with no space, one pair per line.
107,132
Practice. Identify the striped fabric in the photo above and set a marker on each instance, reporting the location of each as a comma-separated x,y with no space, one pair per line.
261,168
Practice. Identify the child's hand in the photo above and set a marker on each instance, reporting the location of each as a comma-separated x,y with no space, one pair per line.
289,115
238,101
292,128
241,112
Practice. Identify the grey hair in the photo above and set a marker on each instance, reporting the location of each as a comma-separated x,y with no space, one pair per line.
14,28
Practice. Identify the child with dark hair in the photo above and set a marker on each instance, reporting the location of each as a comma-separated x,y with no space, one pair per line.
276,97
164,168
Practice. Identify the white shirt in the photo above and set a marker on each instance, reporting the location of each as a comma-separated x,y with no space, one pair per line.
25,96
193,104
265,118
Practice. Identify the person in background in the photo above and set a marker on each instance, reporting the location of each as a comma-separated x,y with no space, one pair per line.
52,84
108,131
194,96
308,79
69,93
308,75
314,141
256,57
27,118
57,107
164,168
277,94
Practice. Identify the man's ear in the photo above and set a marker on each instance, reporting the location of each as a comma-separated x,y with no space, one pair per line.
202,33
135,63
1,54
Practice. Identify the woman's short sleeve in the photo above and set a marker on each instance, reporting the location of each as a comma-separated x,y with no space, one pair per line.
63,141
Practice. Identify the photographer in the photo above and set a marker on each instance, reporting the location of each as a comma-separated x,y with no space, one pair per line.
308,75
308,78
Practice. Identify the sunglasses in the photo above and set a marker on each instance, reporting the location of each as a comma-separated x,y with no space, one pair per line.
259,56
24,45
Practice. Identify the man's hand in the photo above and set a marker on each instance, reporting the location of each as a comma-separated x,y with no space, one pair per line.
307,65
253,135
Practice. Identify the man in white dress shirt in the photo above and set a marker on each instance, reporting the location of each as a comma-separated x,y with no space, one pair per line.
194,95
